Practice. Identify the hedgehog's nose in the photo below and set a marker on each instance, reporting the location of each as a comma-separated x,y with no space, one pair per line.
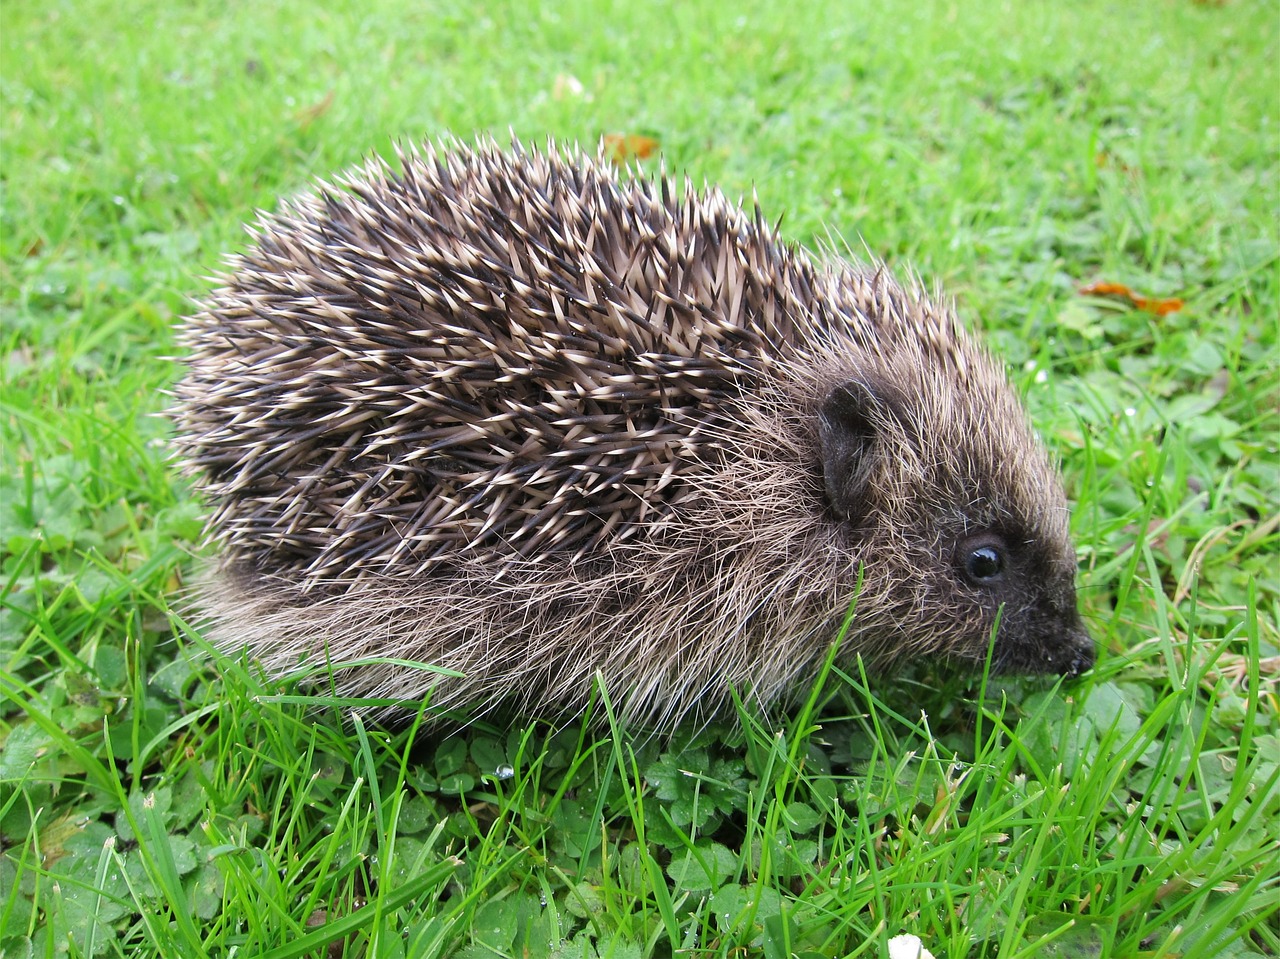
1082,654
1081,664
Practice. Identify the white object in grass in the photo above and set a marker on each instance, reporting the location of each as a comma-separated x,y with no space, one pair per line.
908,947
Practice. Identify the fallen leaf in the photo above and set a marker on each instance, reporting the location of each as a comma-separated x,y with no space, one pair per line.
1160,306
622,147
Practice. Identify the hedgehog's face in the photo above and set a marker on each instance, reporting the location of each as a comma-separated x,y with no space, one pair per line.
964,532
1016,579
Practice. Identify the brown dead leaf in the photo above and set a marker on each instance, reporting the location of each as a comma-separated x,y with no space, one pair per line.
624,147
1149,304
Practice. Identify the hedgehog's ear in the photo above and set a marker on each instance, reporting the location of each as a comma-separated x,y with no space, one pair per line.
847,438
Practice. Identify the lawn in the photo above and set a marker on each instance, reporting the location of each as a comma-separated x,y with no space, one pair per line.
156,800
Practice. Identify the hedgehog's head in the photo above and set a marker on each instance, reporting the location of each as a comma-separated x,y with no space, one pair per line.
956,512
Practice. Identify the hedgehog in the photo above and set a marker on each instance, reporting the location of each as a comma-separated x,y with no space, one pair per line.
543,425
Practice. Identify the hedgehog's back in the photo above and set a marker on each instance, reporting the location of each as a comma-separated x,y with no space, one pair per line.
488,353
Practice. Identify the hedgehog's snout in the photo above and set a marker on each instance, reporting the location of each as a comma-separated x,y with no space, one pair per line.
1080,665
1072,652
1047,640
1083,653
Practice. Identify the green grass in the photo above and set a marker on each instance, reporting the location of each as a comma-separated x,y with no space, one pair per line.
154,802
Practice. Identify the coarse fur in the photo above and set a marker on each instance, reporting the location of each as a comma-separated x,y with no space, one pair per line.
502,412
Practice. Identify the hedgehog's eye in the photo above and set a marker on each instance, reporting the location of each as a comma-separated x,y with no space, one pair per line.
982,560
985,562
